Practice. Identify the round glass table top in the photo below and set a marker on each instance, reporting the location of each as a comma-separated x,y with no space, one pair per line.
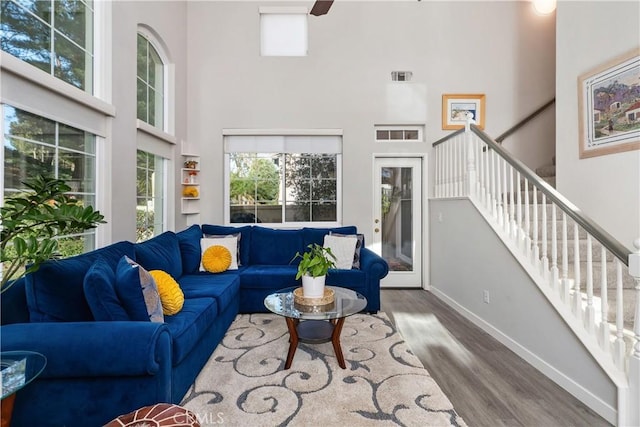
19,368
346,302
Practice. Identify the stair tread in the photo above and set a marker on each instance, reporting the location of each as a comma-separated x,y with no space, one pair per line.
546,171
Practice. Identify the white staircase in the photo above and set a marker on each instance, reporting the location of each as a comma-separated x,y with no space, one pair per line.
581,269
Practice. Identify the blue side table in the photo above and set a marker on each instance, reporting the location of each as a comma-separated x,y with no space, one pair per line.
18,369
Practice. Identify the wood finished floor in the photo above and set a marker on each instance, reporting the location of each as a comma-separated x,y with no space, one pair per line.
487,383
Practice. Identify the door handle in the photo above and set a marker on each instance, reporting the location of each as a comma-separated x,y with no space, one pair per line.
376,221
377,230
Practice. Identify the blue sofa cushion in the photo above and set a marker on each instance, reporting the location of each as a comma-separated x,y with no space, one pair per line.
269,277
189,325
275,247
100,292
55,293
245,238
351,279
137,292
224,287
316,235
189,242
161,253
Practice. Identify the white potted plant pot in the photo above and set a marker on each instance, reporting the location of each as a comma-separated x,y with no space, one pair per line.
313,287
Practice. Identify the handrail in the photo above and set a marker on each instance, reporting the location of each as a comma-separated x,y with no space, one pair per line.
614,246
524,121
445,138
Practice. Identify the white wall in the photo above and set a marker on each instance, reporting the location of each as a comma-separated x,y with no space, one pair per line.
168,20
467,260
606,188
501,49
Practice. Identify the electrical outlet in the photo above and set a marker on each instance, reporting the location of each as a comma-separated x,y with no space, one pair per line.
485,296
439,216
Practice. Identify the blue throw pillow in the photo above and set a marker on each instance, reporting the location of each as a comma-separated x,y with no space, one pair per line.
161,253
189,242
129,290
99,289
55,293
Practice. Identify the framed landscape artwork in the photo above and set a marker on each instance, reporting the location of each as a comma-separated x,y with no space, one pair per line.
609,107
456,106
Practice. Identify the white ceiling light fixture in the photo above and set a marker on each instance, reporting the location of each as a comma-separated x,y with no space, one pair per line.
544,7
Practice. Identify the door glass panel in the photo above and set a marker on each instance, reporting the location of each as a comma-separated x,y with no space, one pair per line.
397,218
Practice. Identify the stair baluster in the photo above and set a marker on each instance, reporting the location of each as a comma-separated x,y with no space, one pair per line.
619,346
605,329
493,182
527,224
554,249
535,253
518,210
545,257
505,204
590,313
577,296
565,261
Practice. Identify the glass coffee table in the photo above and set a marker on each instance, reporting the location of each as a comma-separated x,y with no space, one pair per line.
18,369
315,323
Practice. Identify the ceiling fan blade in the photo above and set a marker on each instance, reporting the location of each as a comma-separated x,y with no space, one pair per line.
321,7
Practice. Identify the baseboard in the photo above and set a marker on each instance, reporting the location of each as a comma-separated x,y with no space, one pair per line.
603,409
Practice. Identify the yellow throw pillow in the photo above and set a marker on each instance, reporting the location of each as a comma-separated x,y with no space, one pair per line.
216,259
171,295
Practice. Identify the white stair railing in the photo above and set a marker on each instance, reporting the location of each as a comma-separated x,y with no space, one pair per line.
537,219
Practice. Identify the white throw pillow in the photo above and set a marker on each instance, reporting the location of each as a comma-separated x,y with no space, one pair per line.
343,248
231,243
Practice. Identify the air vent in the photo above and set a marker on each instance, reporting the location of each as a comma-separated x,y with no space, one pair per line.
401,76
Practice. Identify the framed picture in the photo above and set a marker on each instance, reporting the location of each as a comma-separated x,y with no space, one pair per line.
456,106
609,107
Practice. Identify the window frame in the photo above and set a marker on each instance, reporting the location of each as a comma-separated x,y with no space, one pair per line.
90,46
95,233
399,128
167,124
281,133
281,12
164,167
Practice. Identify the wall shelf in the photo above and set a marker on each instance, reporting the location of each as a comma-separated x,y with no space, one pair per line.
190,182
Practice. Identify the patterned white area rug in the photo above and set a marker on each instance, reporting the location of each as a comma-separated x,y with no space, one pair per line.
244,382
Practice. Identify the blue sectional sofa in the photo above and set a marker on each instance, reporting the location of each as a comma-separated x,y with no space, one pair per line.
97,370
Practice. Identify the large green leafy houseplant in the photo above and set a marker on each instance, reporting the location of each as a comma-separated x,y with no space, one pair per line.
315,262
31,221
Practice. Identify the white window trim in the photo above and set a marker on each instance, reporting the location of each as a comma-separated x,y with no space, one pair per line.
145,127
168,70
419,128
285,132
53,84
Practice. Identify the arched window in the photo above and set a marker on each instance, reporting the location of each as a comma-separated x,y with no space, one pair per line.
151,83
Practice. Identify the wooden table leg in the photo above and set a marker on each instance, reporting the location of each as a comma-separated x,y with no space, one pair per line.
335,340
293,340
7,410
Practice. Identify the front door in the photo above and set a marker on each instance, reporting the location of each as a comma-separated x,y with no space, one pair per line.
397,228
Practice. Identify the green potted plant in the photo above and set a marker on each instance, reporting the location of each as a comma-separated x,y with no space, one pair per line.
313,268
32,221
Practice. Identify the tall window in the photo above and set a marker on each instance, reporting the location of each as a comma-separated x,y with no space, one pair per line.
55,36
150,84
33,146
150,195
